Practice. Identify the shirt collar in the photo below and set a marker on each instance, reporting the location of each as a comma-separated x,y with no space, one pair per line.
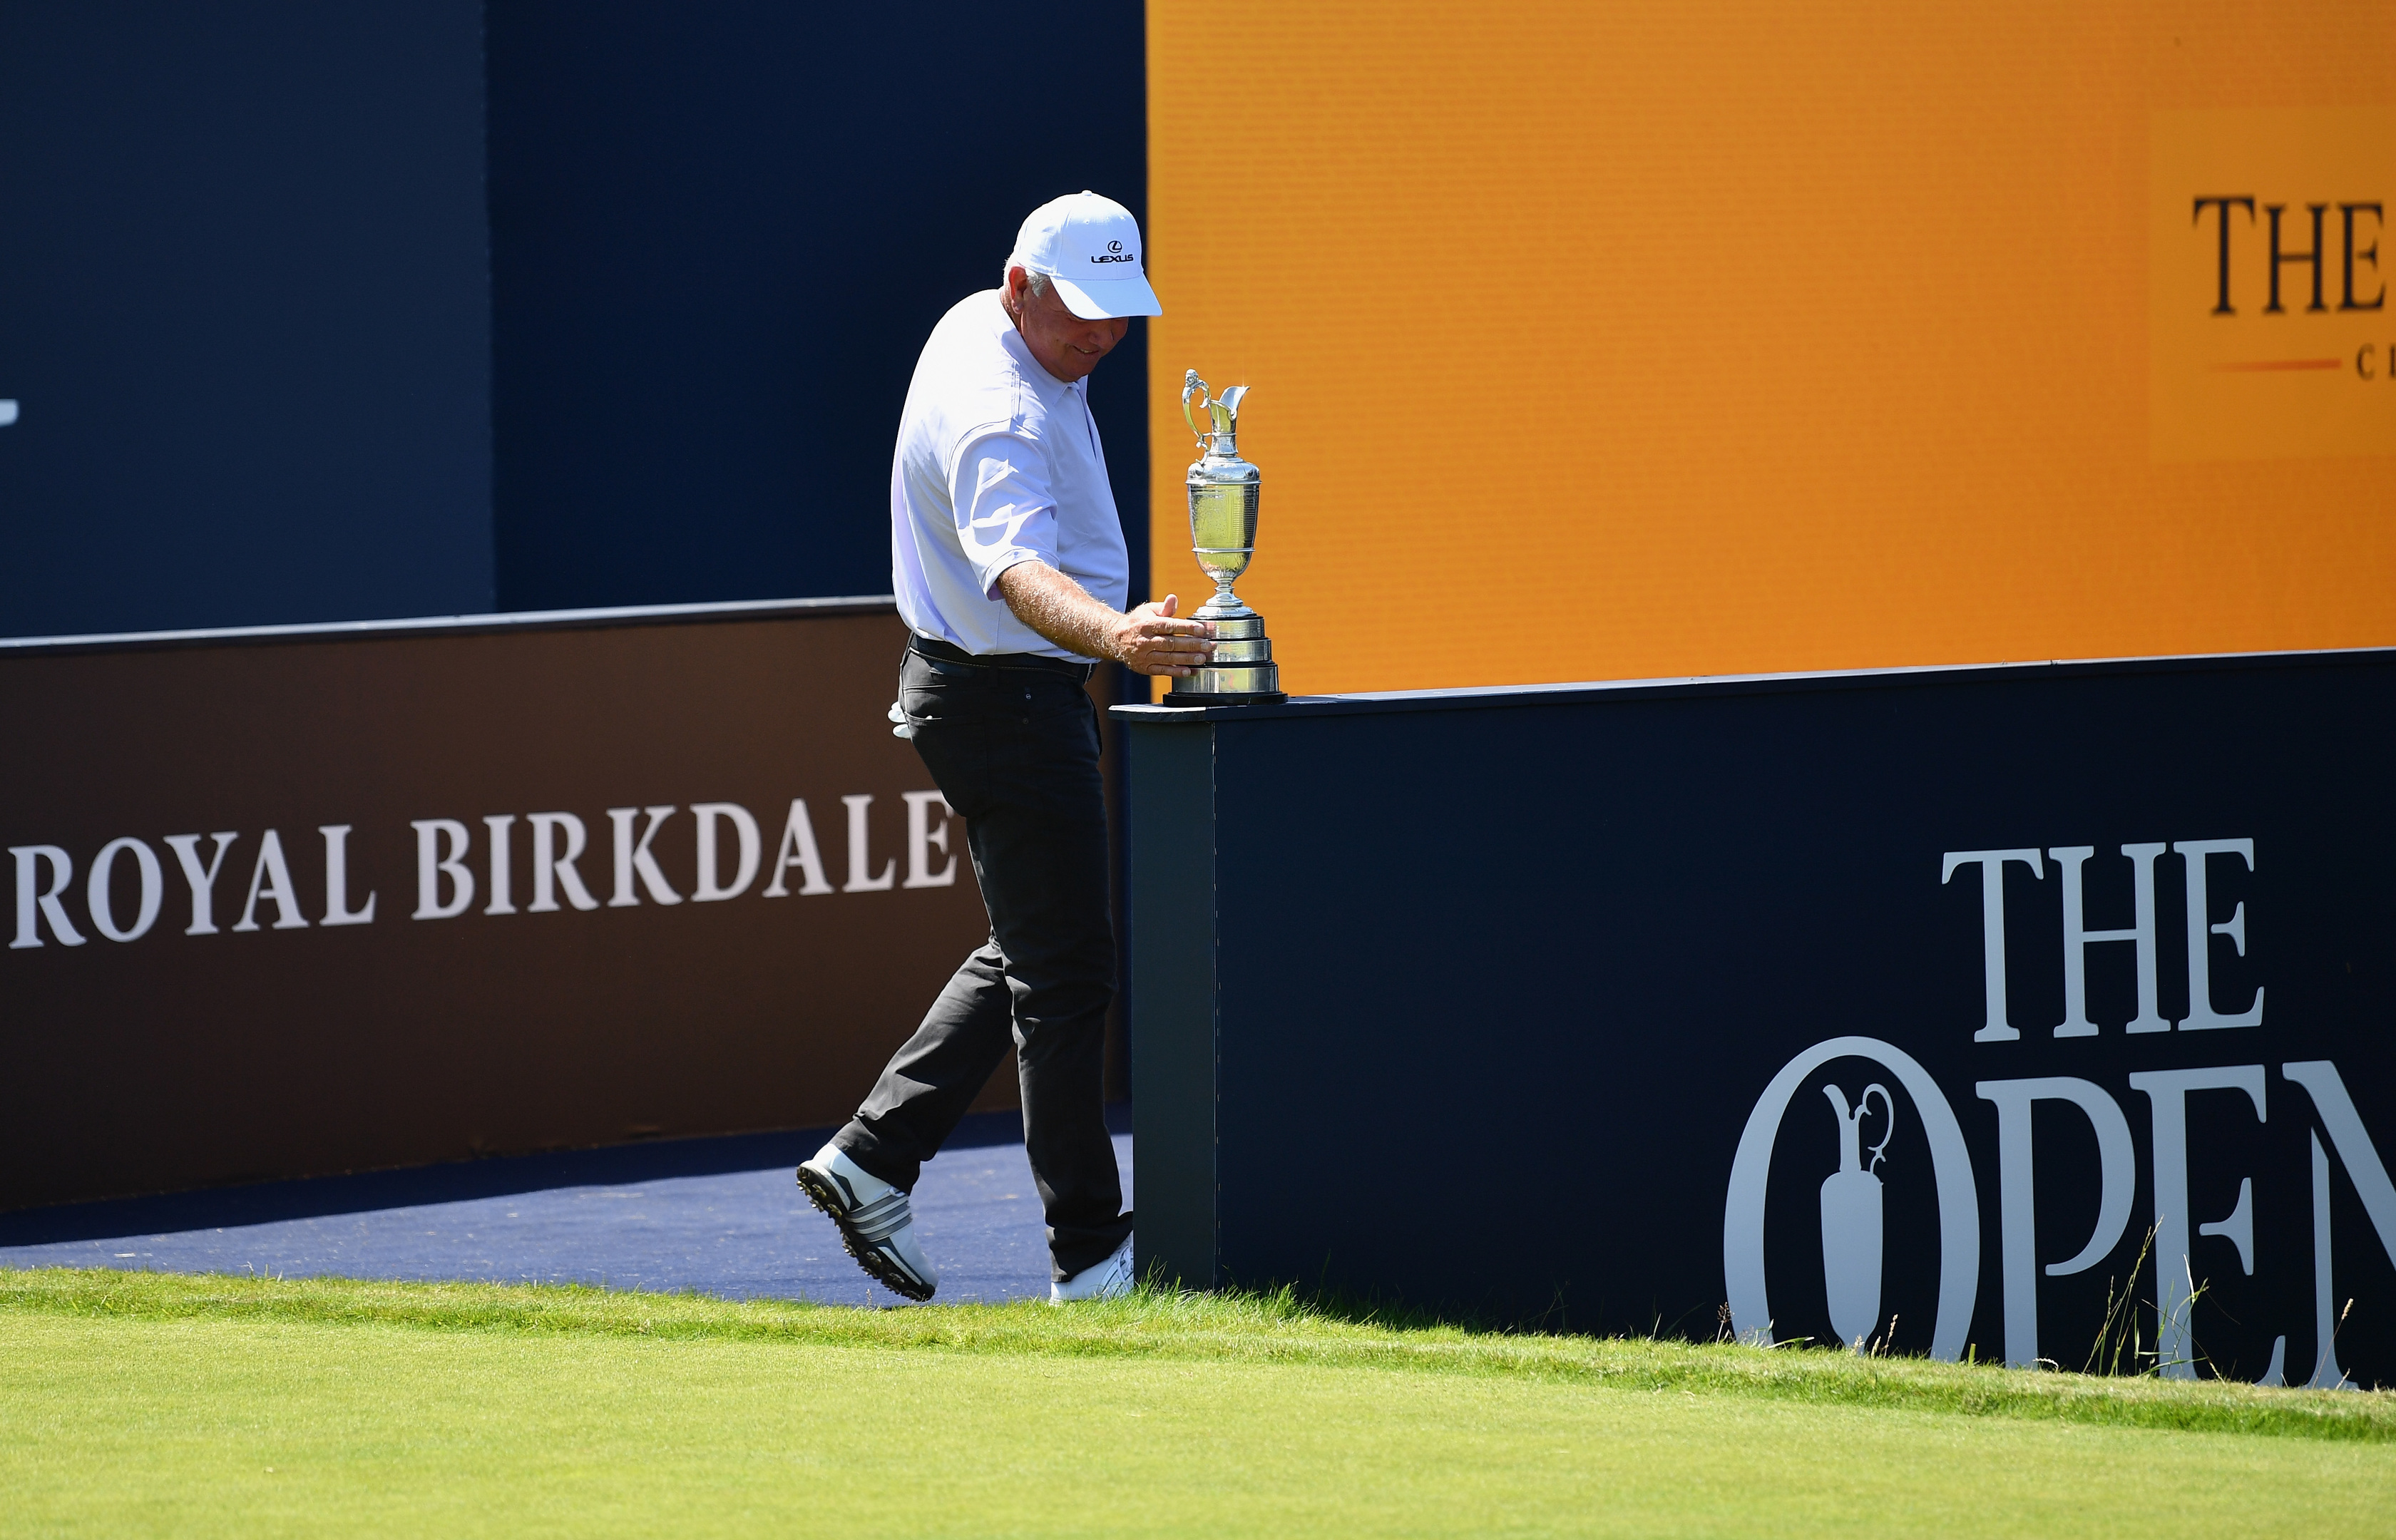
1051,390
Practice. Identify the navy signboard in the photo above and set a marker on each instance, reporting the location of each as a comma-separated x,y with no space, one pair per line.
2038,1013
288,903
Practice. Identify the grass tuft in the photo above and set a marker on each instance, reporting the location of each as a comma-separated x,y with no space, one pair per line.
1166,1326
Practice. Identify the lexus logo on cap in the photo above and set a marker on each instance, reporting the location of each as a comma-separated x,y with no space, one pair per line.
1115,253
1115,245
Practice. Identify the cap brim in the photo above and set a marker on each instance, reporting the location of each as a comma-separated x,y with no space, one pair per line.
1111,301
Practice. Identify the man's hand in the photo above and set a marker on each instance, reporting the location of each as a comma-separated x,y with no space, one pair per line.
1148,641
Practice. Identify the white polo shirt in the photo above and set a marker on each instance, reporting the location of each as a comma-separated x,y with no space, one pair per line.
998,462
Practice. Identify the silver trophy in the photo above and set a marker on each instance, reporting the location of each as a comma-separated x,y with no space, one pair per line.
1223,535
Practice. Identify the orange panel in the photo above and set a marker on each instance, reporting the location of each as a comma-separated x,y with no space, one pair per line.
1605,341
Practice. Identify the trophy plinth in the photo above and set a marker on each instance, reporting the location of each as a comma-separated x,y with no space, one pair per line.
1223,537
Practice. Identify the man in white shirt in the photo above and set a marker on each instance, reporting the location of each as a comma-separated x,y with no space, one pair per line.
1007,556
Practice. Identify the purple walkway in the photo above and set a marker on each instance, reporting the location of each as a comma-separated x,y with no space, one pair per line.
720,1217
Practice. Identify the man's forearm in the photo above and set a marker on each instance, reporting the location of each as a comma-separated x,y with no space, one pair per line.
1149,639
1059,609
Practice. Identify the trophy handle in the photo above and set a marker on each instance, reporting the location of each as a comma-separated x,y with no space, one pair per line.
1192,385
1887,1107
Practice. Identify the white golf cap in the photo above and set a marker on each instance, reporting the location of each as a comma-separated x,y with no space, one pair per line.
1089,246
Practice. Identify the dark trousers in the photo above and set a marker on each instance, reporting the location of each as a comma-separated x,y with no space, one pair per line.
1015,750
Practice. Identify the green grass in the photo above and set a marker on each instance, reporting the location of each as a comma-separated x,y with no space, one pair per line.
134,1402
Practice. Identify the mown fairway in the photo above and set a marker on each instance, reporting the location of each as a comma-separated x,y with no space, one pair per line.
142,1403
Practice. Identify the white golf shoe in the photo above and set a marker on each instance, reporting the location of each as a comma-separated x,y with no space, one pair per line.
875,1223
1106,1280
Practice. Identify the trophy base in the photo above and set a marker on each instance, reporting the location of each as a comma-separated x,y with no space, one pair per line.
1225,606
1228,685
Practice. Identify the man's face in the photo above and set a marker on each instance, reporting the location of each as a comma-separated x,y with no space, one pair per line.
1066,345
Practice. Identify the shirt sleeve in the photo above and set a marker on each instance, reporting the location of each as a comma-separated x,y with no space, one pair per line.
1006,512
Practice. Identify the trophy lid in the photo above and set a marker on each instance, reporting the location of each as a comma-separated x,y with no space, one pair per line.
1223,411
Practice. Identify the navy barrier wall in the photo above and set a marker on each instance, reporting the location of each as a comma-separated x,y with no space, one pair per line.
245,313
411,307
1901,1007
720,235
349,897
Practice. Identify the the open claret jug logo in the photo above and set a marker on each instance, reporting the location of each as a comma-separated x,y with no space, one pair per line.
1852,1202
1851,1218
2242,1162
